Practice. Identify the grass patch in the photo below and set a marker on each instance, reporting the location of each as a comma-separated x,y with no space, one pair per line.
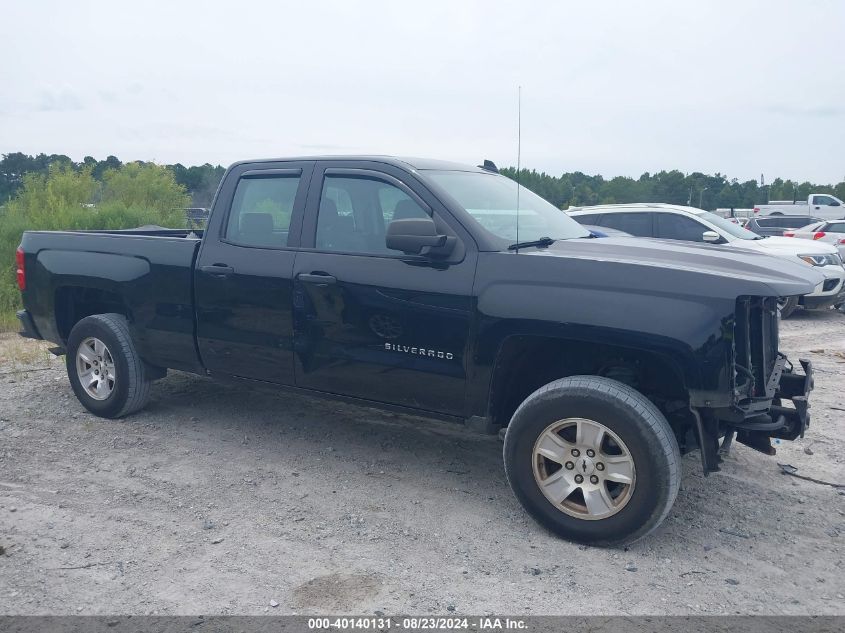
19,354
9,322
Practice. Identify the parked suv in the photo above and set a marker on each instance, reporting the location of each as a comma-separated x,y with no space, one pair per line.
776,224
688,224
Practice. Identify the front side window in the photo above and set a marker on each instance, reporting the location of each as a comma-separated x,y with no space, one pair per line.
669,226
726,226
823,201
261,211
355,211
636,224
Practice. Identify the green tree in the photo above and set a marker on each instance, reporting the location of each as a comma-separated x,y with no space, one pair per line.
147,185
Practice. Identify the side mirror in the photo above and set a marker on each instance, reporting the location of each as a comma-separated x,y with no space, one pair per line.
833,203
711,236
414,236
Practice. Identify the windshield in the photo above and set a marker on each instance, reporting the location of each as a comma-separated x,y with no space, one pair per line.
491,200
729,227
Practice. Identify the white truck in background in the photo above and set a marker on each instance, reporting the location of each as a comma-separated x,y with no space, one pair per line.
820,205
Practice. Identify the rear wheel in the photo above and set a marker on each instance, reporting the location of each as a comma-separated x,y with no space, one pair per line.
592,460
105,371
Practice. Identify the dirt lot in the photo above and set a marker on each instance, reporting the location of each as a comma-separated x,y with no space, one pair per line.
219,499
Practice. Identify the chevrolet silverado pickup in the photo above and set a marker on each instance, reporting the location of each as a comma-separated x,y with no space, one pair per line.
448,291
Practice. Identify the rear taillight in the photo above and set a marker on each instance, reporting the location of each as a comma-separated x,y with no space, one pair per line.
789,233
756,209
21,271
842,241
818,235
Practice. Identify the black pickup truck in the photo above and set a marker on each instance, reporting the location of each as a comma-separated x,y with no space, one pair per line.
449,291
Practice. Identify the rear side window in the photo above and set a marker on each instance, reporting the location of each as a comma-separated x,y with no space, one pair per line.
637,224
835,227
261,211
669,226
795,223
591,218
767,221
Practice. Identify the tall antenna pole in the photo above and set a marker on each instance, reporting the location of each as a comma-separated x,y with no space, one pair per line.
518,153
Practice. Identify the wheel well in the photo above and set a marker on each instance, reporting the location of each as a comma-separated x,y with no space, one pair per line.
74,304
526,363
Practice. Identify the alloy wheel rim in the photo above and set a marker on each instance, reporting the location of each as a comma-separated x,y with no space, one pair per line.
583,468
95,368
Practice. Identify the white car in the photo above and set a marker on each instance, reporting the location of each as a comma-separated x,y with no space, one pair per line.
675,222
829,232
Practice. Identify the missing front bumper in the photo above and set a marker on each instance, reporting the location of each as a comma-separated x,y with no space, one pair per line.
782,421
757,429
796,388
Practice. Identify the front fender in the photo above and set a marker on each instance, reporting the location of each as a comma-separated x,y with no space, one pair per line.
692,333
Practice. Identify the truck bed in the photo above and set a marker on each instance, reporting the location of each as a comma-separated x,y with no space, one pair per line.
148,272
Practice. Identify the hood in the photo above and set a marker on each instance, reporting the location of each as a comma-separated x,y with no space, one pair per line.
708,266
786,246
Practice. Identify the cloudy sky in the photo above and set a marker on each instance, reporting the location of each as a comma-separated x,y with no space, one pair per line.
616,88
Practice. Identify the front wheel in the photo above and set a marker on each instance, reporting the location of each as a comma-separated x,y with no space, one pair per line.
786,306
105,371
593,460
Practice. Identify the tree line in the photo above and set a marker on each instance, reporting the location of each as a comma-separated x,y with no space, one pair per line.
200,181
568,189
673,187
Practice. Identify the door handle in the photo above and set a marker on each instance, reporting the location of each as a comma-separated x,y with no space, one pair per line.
217,270
317,278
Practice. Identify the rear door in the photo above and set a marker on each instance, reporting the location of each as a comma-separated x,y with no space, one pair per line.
370,322
244,272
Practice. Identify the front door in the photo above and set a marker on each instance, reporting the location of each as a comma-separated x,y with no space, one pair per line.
370,322
244,273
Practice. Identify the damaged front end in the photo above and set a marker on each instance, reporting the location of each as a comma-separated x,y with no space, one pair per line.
769,396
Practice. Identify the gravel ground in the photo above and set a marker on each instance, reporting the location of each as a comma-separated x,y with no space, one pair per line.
220,499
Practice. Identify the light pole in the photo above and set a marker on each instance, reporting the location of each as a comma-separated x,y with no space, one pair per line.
701,196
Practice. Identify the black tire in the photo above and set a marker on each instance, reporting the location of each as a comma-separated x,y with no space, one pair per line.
634,419
131,389
786,306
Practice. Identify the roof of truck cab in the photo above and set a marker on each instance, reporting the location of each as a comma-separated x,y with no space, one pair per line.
397,161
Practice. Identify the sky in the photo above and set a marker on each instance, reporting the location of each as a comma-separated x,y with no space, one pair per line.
740,88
